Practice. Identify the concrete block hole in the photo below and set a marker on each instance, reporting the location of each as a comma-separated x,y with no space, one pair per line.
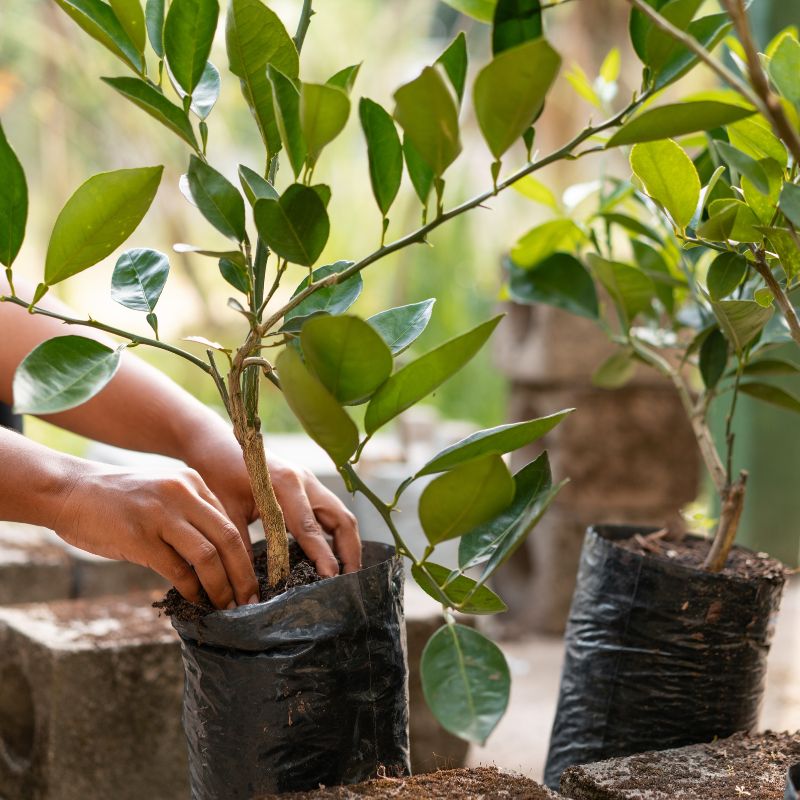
17,717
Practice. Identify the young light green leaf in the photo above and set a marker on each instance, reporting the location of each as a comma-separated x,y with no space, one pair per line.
218,199
333,299
345,78
13,202
426,110
98,218
255,187
433,579
131,17
420,173
465,679
784,67
255,38
493,441
151,100
669,176
746,166
713,358
726,272
188,35
752,137
296,227
286,105
580,82
678,119
790,203
478,9
155,12
535,190
510,90
615,371
611,66
399,327
741,320
324,111
99,21
515,22
544,240
420,377
62,373
384,151
468,495
455,61
139,278
771,394
631,290
560,280
347,355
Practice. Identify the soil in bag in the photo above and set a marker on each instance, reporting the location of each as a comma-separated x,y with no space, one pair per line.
307,688
660,653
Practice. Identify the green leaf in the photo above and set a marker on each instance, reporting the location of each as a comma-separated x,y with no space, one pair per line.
544,240
420,173
232,255
745,165
535,190
255,187
131,17
455,61
99,21
741,321
286,105
155,11
465,679
468,495
510,90
324,111
764,204
384,151
296,227
653,264
726,272
347,355
771,366
62,373
676,120
98,218
322,418
639,26
753,138
631,290
345,78
188,35
13,202
560,280
206,93
333,299
427,112
713,358
493,441
478,9
669,177
151,100
730,219
787,247
771,394
399,327
433,579
615,371
255,38
659,45
139,278
235,274
420,377
515,22
784,67
790,203
218,199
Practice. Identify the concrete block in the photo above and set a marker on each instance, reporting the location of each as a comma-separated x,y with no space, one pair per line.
33,568
90,702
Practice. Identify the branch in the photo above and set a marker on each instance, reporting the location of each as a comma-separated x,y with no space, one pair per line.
302,25
785,305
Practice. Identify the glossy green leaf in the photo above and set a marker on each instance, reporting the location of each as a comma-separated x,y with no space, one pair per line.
347,355
63,373
763,204
399,327
515,22
255,187
678,119
753,138
510,90
560,280
640,25
324,111
771,394
384,151
255,38
206,93
745,165
345,78
771,366
139,278
155,13
631,290
713,358
669,176
218,199
493,441
131,17
420,377
286,105
730,219
188,35
478,9
615,371
150,99
322,418
544,240
98,218
296,227
468,495
786,245
784,68
790,203
455,61
333,299
741,320
13,202
466,681
426,110
433,579
726,272
659,45
235,274
99,21
420,173
651,261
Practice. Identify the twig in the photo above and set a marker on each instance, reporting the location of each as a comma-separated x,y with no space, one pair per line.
302,25
785,305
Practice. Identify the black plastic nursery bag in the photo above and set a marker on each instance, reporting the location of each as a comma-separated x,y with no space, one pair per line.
658,655
793,783
309,688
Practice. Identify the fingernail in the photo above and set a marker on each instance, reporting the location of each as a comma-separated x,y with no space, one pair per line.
231,605
253,600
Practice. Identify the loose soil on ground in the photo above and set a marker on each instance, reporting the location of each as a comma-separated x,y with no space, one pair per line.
742,767
481,783
302,573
